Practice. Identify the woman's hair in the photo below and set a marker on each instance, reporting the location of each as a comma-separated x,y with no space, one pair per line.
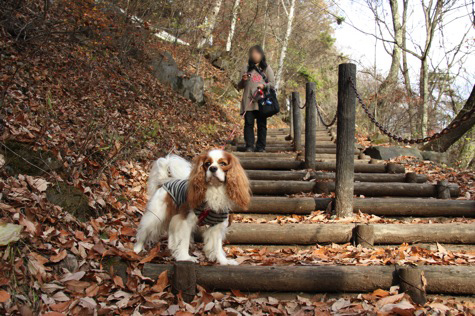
262,63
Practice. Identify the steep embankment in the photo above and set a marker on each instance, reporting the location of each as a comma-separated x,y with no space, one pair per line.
81,119
84,92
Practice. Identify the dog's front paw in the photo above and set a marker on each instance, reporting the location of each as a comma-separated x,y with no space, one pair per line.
188,258
229,262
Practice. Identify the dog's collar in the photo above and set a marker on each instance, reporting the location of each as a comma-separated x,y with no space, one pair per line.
209,217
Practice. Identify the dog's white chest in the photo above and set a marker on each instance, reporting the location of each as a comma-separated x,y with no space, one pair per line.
217,199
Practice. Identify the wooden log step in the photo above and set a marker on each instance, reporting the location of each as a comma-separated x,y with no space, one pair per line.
294,155
352,279
362,167
272,131
301,136
266,187
385,234
284,134
320,158
291,154
288,296
277,141
286,129
283,142
287,132
376,206
248,217
272,149
318,150
286,140
271,164
280,147
389,189
296,175
428,246
300,175
270,155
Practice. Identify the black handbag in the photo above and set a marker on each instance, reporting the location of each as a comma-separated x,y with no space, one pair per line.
268,104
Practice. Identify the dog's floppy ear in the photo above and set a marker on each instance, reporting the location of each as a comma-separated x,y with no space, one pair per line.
237,183
197,184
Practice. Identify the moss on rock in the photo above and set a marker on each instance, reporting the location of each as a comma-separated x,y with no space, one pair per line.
71,199
115,265
40,160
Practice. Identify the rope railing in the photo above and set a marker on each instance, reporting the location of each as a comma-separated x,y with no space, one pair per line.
451,127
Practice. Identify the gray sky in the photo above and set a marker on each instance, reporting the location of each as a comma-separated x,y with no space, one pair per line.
361,48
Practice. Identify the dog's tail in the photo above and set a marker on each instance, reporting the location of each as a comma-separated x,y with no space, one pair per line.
167,168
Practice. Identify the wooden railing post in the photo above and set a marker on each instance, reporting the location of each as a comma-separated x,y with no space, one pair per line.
345,141
291,118
184,279
297,119
443,189
310,125
412,281
363,235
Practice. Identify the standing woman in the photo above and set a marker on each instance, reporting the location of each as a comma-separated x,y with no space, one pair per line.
256,77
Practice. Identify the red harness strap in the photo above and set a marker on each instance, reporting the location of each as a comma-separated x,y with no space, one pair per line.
202,217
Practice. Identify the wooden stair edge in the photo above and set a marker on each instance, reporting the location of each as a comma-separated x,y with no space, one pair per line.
325,278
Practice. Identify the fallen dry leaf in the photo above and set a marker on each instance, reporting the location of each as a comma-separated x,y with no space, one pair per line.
4,296
58,257
9,233
162,282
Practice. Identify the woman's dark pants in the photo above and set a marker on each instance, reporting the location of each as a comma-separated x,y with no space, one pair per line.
249,119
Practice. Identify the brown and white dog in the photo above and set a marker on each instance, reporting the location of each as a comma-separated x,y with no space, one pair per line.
216,185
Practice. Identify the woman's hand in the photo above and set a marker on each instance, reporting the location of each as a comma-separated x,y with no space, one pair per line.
245,77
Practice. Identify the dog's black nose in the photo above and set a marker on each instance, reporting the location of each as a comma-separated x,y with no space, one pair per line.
213,168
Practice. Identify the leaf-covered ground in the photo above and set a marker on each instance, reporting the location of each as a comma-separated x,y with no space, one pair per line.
104,117
464,178
67,266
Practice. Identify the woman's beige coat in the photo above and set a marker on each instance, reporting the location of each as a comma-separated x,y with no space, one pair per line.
248,103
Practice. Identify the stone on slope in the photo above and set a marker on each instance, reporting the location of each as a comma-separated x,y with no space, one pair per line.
166,70
435,156
386,153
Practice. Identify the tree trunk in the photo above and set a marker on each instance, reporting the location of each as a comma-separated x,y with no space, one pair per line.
392,76
233,25
265,26
447,140
283,52
210,23
432,19
405,70
424,96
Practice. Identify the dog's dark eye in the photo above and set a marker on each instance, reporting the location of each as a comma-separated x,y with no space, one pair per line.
222,163
207,164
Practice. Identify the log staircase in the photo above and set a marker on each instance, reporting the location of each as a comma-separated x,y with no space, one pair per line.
381,189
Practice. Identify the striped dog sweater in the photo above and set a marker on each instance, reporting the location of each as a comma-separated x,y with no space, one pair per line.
178,190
